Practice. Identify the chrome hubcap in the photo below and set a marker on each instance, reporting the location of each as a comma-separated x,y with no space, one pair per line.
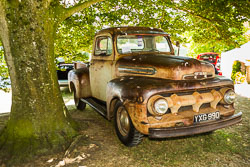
122,119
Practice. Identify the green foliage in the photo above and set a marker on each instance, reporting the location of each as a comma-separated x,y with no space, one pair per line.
215,26
240,77
207,25
4,74
236,73
217,20
73,41
82,26
217,46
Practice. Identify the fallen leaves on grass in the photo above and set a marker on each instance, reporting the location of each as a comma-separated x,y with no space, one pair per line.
67,160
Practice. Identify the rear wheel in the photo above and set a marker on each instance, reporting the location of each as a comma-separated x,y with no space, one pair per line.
124,127
80,105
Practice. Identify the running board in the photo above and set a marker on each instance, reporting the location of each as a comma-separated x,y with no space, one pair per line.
101,109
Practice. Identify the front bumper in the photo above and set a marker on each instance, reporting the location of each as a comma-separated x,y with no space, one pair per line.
195,129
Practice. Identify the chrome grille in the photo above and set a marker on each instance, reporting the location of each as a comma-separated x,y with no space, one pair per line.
197,75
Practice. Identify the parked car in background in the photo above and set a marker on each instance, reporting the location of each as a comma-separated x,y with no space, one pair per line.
62,71
212,58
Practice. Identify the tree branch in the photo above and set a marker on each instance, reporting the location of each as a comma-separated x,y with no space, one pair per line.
5,38
3,22
200,17
67,12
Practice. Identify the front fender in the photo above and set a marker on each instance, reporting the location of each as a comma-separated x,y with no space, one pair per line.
129,95
117,89
135,91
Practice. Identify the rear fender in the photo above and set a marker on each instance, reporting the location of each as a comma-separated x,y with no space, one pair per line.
79,80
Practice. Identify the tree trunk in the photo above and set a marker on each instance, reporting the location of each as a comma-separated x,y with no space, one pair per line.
38,121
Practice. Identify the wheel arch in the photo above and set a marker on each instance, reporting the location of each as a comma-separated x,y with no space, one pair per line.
79,79
133,99
71,86
112,107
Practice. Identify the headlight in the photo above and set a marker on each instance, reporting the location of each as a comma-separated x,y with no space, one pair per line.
161,106
229,96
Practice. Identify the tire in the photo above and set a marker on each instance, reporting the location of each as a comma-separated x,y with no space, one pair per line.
124,127
80,105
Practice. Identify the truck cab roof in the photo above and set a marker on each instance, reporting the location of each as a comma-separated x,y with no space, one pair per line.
133,30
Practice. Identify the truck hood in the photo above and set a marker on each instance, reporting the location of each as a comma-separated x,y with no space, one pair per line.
164,66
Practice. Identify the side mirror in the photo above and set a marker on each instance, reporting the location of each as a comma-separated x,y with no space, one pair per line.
178,45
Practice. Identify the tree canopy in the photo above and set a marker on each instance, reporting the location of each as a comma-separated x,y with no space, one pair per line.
205,25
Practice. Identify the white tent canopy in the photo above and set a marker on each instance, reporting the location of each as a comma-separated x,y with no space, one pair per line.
227,58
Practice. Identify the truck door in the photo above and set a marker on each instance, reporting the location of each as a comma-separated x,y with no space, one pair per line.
101,66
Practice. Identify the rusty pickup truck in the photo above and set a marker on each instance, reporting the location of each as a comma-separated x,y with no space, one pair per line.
135,79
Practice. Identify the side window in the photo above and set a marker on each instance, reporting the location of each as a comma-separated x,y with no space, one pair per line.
103,46
162,44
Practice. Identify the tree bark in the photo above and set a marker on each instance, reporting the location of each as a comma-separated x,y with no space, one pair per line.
39,121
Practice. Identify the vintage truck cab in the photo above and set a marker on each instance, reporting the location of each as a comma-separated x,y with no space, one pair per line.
134,78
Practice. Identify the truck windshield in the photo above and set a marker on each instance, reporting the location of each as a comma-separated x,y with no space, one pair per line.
142,43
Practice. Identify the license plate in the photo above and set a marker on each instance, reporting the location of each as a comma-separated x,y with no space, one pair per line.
207,117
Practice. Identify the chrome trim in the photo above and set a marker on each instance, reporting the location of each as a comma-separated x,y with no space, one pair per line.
198,75
137,70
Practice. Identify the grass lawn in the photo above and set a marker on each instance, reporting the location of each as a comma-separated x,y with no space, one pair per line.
99,146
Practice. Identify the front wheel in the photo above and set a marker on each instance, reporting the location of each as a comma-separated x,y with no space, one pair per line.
124,127
80,105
